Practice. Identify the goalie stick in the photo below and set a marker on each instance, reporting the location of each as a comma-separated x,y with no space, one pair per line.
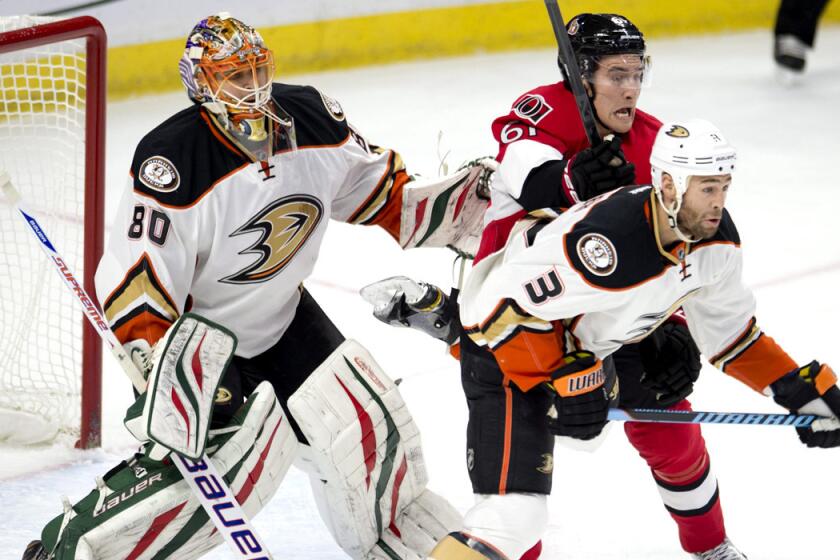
207,484
706,417
573,72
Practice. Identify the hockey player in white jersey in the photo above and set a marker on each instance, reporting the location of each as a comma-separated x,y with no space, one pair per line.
568,290
226,207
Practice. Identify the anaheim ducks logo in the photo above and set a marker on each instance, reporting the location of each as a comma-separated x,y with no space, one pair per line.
284,225
678,131
223,395
547,466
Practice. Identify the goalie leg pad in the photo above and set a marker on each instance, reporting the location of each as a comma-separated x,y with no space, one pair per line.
144,509
366,462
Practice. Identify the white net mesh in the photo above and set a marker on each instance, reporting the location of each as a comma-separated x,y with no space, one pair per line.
42,141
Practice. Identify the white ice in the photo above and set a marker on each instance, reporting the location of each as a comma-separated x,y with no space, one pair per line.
780,499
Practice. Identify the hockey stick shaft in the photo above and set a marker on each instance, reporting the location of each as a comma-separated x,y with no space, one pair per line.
209,486
705,417
573,72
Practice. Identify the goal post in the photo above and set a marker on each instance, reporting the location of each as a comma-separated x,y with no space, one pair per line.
52,144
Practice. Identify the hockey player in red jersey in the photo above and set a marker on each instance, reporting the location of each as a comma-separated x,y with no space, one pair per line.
226,206
545,312
546,162
543,146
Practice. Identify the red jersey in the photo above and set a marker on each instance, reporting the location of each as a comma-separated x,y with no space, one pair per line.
544,125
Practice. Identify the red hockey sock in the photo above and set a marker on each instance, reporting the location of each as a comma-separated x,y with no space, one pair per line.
533,553
676,453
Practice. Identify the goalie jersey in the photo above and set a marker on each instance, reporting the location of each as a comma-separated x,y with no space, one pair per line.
597,277
203,227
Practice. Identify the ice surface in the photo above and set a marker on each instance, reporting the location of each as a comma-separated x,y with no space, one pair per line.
780,498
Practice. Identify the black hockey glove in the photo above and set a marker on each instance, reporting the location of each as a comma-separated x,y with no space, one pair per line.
581,401
812,389
599,169
671,362
402,302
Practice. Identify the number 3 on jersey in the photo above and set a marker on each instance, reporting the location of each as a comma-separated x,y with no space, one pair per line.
158,227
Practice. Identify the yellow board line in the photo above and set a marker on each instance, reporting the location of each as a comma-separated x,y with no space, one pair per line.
424,34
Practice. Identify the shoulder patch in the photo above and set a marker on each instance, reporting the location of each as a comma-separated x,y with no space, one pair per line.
333,107
159,173
532,107
598,254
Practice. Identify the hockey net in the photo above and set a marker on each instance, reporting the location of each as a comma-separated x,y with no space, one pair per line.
51,144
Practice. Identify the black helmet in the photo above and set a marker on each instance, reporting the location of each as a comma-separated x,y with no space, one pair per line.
596,35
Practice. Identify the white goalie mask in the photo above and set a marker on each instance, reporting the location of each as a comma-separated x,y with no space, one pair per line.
684,149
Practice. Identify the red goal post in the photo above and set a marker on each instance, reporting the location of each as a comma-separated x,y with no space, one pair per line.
52,99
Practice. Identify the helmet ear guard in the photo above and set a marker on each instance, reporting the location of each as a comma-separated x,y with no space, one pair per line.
685,149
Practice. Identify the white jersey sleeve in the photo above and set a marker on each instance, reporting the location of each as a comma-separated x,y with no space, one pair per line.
371,193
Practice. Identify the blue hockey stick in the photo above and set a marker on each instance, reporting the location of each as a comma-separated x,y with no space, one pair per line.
705,417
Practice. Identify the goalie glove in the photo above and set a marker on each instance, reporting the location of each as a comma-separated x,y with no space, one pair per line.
402,302
447,211
812,389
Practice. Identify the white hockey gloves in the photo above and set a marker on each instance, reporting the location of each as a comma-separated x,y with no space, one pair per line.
812,389
448,211
402,302
366,463
144,509
187,367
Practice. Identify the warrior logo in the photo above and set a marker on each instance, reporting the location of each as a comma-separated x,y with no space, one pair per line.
597,254
678,131
470,459
159,173
285,225
532,108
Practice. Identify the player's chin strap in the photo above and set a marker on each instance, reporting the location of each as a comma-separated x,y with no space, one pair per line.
672,213
366,462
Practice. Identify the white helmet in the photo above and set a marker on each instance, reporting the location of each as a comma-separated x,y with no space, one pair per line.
686,148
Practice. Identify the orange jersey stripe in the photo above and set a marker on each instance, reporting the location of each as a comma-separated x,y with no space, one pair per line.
145,325
508,437
390,215
529,357
760,364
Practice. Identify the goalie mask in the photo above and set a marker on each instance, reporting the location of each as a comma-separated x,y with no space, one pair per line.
226,63
685,149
